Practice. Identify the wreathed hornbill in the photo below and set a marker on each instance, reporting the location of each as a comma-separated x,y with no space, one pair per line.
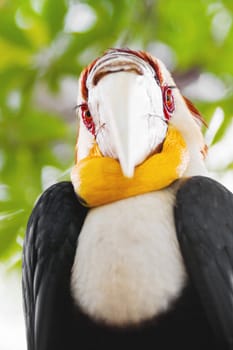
136,252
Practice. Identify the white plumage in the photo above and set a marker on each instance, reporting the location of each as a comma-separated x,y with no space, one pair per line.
128,265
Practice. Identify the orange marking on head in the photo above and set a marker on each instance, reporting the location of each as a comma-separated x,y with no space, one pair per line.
84,76
204,151
194,111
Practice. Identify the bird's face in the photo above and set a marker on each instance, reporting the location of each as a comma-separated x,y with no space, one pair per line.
127,100
128,104
125,104
124,108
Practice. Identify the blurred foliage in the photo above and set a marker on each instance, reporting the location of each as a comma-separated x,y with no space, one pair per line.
45,42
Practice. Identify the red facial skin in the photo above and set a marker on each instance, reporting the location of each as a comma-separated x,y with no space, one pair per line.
168,102
87,118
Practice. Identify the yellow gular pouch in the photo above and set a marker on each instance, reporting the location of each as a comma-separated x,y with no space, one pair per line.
99,180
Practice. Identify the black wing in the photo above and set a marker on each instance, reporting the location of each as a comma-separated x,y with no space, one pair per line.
204,224
49,250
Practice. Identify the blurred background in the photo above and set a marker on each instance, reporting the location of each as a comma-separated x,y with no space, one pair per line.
44,45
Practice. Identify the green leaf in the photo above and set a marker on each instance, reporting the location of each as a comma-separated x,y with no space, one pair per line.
54,12
10,32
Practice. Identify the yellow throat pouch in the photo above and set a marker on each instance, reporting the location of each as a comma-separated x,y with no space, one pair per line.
99,180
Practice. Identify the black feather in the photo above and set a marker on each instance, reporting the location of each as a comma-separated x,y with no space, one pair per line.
48,255
204,223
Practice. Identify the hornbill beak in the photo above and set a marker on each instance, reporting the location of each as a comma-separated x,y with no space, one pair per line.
127,103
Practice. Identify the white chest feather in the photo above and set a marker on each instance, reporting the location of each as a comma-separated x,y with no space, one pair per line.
128,267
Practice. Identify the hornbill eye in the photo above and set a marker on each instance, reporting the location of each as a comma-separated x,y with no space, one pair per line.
87,118
87,114
168,101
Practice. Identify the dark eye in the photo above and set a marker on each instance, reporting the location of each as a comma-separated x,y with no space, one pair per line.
87,114
169,96
87,118
168,101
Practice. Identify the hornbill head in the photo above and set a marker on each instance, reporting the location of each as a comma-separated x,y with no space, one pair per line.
131,110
